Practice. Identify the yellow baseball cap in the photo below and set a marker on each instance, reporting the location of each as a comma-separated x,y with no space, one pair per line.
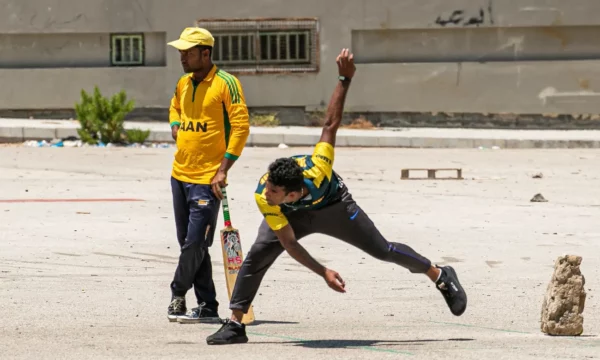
193,36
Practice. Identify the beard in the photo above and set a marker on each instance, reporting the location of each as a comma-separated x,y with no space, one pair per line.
190,69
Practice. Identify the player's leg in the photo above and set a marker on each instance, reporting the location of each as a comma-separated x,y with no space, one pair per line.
346,221
204,286
259,259
202,211
181,211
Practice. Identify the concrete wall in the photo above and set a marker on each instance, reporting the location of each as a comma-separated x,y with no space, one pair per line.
68,50
470,56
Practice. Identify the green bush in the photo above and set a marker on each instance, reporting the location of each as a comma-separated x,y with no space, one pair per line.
101,119
137,136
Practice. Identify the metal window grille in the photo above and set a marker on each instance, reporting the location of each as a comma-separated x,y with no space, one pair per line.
127,50
270,45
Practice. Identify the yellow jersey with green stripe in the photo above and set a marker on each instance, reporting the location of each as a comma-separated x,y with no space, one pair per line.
213,123
320,179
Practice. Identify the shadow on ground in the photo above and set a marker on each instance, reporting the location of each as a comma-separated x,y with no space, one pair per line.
347,344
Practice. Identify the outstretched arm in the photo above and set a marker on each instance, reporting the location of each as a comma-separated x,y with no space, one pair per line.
333,118
288,240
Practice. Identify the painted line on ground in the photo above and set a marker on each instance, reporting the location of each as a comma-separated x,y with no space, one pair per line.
66,200
479,327
574,338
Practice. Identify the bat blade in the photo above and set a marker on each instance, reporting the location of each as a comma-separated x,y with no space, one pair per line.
233,257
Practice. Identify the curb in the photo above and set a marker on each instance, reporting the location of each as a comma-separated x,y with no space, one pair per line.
15,131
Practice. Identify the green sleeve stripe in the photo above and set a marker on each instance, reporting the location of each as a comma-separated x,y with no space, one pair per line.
232,85
231,156
235,87
229,86
235,97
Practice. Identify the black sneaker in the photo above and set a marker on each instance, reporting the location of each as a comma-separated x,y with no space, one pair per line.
176,308
453,293
229,333
201,314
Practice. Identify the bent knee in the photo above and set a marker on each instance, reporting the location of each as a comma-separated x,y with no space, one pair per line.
383,254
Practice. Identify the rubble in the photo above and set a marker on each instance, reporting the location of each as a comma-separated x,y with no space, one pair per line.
538,198
564,301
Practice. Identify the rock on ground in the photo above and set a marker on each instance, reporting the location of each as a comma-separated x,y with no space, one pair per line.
565,298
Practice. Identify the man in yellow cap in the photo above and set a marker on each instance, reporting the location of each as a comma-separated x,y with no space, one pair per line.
209,121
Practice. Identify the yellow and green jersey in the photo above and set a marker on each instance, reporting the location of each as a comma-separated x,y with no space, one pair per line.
213,123
319,178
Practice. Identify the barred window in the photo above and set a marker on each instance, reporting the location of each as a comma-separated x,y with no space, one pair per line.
259,46
127,50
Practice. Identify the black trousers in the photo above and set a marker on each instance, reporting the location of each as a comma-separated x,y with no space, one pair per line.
343,220
196,213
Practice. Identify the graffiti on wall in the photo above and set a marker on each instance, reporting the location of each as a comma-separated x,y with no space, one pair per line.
468,18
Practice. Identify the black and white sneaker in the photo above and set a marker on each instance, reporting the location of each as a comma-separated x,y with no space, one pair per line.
201,314
229,333
453,293
176,308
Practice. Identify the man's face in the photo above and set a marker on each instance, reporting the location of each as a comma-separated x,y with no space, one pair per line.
276,195
193,60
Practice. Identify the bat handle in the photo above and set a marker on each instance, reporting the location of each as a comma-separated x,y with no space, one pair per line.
225,204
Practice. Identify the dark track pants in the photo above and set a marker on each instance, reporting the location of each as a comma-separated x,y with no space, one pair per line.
344,220
196,212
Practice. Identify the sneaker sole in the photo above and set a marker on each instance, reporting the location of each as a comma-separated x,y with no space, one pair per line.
238,340
460,288
172,318
182,320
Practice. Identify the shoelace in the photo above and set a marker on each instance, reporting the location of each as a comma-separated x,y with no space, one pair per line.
177,304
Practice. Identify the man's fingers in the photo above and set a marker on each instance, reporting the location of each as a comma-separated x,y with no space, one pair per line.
344,57
217,191
337,287
340,279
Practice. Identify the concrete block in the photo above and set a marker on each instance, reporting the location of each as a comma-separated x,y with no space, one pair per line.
341,141
266,139
161,136
300,139
362,141
583,144
11,134
516,144
556,144
459,143
430,142
386,141
39,133
62,133
489,143
417,142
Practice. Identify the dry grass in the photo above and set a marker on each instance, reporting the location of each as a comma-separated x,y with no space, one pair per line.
264,120
360,123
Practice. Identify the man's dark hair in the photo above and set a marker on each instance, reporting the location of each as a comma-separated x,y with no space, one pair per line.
286,173
205,47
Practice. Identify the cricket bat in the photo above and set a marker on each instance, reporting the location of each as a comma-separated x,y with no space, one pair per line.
232,254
